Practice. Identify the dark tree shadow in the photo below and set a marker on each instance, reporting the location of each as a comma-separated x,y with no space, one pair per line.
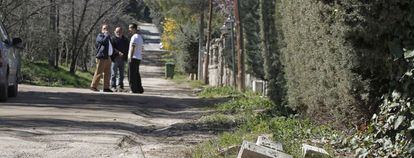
143,106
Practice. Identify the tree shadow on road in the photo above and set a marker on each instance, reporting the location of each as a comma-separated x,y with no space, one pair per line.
143,106
182,129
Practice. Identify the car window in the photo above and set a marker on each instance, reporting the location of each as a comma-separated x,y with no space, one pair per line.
3,32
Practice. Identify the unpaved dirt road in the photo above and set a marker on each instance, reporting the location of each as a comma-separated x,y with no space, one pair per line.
67,122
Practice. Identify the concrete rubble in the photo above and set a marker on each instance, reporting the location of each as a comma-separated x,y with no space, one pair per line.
309,151
266,148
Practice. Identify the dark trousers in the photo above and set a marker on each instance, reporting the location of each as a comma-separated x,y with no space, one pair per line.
134,76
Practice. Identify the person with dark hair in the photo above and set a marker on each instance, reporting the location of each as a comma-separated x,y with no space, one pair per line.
121,46
136,48
103,61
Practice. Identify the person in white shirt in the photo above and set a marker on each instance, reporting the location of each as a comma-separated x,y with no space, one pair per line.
103,61
136,48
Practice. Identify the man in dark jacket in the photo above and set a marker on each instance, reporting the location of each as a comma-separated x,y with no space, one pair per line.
103,61
121,46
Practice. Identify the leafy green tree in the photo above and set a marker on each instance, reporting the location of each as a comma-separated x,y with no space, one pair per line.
186,35
186,15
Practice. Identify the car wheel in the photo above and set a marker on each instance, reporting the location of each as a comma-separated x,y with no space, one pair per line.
3,91
13,89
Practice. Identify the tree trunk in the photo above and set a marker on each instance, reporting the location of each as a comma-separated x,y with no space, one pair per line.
58,54
72,63
67,50
240,54
201,44
52,34
207,58
85,59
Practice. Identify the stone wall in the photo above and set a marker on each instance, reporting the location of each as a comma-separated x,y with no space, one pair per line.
221,72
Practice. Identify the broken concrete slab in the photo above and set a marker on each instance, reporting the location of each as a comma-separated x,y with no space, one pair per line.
314,152
267,142
251,150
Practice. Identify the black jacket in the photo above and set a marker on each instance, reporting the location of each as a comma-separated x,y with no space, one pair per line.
102,46
120,44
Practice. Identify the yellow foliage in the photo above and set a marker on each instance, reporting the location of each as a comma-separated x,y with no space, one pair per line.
170,26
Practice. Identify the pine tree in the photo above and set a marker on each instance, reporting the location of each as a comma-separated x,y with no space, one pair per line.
252,46
272,40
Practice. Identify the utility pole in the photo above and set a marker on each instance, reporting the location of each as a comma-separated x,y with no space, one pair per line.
240,54
207,58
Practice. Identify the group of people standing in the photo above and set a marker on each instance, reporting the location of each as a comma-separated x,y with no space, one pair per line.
112,54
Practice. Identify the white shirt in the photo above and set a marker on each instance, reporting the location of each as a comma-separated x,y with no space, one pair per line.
110,49
138,42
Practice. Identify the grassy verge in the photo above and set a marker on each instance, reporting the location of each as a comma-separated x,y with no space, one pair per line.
254,116
212,92
42,74
182,78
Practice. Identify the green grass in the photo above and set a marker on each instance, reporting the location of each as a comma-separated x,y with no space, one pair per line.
255,116
182,78
42,74
219,92
290,132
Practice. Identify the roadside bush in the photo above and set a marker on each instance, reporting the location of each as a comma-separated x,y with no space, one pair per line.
390,132
318,62
338,57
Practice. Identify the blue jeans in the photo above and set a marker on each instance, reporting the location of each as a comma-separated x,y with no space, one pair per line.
118,66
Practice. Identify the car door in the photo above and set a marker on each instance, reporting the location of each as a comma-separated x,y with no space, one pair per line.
10,55
4,59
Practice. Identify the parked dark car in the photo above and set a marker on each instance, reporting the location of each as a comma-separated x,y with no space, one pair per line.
9,64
